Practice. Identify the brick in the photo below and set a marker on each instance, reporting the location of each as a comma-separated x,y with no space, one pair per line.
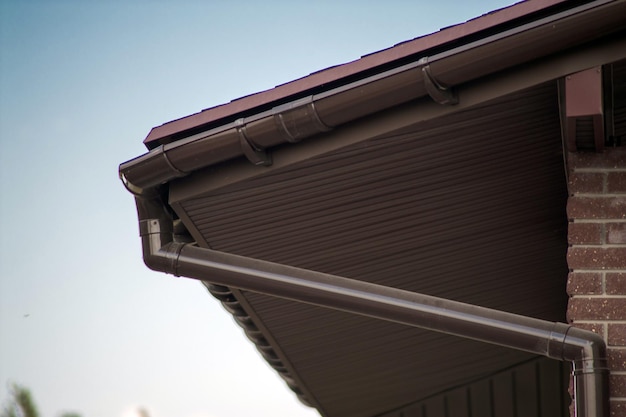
597,328
596,257
616,233
617,385
615,283
610,158
618,408
596,208
616,182
586,182
584,308
616,334
584,233
616,359
584,283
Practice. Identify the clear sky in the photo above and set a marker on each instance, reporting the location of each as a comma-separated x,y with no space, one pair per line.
83,323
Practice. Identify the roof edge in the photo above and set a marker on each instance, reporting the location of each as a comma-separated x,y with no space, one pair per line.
171,131
501,53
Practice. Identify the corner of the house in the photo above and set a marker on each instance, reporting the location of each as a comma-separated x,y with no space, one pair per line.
596,210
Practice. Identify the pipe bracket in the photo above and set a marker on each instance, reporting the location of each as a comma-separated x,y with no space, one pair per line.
255,154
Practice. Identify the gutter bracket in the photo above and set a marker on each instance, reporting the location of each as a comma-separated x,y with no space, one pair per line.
437,91
256,155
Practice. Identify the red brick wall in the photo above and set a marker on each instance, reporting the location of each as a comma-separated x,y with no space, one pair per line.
596,257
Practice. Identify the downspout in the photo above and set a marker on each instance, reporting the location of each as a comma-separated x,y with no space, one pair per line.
586,350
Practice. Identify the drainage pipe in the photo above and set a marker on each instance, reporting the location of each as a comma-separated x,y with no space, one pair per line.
586,350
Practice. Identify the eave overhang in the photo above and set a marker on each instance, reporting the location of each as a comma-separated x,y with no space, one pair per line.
554,45
445,39
238,184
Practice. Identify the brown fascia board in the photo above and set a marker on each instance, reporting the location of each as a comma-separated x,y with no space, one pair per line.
172,130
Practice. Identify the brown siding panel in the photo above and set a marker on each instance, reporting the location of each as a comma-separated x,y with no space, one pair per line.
532,389
481,398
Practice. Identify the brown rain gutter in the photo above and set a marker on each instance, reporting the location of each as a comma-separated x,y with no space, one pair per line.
429,76
586,350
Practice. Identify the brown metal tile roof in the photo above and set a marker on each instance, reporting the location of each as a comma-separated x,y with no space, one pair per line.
330,75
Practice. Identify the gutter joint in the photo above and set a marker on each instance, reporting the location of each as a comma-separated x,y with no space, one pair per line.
255,154
299,119
176,173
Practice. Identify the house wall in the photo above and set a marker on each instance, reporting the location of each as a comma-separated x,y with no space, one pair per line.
531,389
596,257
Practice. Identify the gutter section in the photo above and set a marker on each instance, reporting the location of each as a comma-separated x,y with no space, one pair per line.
287,123
586,350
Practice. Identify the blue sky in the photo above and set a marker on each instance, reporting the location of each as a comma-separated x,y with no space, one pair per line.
83,323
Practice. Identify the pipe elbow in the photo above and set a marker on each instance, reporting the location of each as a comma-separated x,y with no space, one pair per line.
160,252
164,259
583,345
153,260
156,228
587,352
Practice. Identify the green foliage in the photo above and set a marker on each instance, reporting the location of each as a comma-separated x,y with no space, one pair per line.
21,403
8,411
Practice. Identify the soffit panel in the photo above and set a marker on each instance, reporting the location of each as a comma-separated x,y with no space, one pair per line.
468,207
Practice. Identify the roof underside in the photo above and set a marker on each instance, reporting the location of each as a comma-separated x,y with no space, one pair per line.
469,207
